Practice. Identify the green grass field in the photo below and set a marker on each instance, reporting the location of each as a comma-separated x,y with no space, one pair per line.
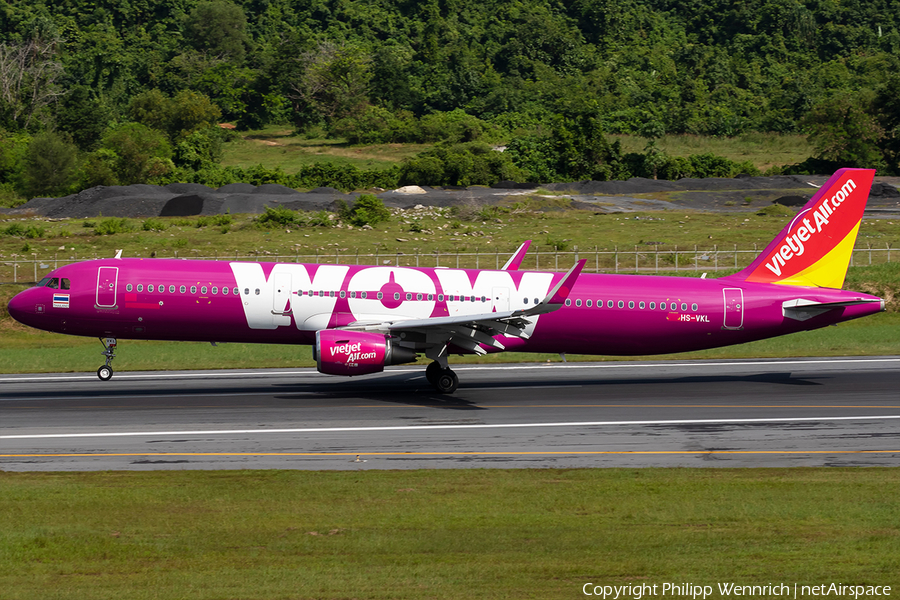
440,534
764,150
279,146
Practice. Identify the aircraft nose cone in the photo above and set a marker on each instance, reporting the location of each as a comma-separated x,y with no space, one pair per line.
17,307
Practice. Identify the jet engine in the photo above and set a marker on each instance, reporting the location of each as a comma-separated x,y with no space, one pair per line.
340,352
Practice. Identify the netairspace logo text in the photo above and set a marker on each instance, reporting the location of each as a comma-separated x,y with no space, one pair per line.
695,592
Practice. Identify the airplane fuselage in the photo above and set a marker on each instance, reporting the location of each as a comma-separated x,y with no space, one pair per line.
287,303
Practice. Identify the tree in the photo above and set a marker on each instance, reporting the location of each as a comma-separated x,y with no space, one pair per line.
886,107
51,166
138,153
28,80
179,117
218,27
83,117
334,81
843,131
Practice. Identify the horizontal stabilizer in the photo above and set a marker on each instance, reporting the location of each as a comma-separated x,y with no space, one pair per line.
802,309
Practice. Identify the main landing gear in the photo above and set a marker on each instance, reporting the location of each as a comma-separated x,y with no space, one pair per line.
443,379
105,372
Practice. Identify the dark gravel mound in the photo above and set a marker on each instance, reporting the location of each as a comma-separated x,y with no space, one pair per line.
791,200
237,188
884,190
183,199
236,204
191,204
189,188
275,189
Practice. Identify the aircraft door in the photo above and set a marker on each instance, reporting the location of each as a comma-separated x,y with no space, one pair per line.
734,308
106,286
501,299
281,296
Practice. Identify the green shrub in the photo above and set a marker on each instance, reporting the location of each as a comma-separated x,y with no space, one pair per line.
322,218
154,225
277,217
112,226
18,230
367,210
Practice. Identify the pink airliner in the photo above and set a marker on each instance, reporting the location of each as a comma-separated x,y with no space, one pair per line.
361,318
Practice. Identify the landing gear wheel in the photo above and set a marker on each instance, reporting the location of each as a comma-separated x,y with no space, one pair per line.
105,372
446,381
432,371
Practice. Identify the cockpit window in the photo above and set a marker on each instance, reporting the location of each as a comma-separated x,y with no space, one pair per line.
65,284
43,282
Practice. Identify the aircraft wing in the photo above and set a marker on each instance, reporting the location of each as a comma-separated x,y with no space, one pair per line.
469,331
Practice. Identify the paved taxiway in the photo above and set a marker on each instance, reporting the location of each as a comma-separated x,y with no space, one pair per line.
730,413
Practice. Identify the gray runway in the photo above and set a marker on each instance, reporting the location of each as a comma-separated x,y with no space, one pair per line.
730,413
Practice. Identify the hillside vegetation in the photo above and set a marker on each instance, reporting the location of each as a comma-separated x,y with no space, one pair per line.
120,93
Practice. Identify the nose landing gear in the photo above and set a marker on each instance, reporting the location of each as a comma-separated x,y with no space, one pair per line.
105,372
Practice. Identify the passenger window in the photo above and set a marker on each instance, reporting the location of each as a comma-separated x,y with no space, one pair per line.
257,291
430,297
183,289
225,291
694,307
568,302
246,291
408,296
684,306
631,304
193,289
641,305
380,295
150,287
140,287
353,294
440,297
578,303
396,295
128,288
621,304
364,295
172,289
343,294
662,306
203,290
674,306
653,306
419,297
588,304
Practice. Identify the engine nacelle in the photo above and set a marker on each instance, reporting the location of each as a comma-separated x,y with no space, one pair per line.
340,352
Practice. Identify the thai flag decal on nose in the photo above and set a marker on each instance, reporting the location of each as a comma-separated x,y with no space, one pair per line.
60,301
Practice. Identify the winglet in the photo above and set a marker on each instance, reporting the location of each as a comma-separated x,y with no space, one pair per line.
561,291
814,249
516,259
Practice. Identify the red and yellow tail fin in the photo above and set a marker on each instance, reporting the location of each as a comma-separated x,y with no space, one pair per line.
814,249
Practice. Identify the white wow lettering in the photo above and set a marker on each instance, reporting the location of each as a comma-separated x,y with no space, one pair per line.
794,241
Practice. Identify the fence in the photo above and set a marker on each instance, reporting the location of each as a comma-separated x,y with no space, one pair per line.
29,268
